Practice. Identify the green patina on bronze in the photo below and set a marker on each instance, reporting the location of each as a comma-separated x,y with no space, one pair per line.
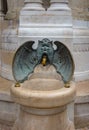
26,58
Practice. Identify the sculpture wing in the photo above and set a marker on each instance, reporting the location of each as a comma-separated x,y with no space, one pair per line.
63,61
24,62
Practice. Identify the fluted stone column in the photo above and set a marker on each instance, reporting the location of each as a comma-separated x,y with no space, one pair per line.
59,5
33,5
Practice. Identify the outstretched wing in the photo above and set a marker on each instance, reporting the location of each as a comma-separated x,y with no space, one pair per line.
63,61
24,61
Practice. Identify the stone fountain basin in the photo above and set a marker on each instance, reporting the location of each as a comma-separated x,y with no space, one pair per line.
27,96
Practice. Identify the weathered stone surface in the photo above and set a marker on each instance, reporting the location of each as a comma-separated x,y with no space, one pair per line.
79,9
14,8
5,127
43,101
47,122
8,109
82,105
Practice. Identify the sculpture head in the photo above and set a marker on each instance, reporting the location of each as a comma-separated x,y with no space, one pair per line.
45,48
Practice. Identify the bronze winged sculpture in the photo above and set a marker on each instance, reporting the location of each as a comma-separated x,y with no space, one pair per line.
26,59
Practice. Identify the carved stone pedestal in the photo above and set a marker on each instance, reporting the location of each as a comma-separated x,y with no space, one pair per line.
43,102
43,119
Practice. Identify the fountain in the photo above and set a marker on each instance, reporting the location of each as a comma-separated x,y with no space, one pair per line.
43,86
37,21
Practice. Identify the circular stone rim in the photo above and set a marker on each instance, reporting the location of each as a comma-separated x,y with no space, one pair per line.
43,99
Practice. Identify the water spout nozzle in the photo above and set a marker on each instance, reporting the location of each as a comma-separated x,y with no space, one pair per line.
17,84
44,60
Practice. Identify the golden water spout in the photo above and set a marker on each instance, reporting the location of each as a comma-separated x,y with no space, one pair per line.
17,84
44,60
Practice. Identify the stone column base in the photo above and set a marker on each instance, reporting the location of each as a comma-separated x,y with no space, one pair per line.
43,119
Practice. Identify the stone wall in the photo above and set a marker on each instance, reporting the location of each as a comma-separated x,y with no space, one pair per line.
80,9
10,34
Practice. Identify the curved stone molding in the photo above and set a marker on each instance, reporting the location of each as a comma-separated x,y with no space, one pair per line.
58,5
59,1
33,5
44,112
